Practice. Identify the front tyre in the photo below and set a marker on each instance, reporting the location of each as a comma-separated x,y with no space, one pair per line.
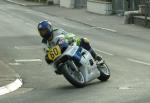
104,71
72,74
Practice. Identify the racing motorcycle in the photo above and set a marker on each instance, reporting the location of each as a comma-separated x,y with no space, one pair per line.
77,65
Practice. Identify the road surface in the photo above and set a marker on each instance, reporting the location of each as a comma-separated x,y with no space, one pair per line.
20,48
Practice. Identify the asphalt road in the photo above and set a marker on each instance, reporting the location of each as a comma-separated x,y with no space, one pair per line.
127,56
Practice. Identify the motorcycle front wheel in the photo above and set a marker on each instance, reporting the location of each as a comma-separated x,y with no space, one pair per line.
72,74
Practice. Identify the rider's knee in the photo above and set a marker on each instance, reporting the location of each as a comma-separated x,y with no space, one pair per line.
84,42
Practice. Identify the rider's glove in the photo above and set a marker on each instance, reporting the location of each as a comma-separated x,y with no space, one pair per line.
48,61
63,44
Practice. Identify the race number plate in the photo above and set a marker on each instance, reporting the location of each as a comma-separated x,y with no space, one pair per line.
54,53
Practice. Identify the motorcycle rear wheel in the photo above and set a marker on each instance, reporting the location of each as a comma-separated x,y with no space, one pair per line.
104,72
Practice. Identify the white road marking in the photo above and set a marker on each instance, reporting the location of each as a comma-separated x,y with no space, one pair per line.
14,63
16,2
28,60
29,24
112,30
107,53
11,87
124,88
28,47
72,26
139,62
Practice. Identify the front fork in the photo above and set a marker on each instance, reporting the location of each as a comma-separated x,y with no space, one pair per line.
60,65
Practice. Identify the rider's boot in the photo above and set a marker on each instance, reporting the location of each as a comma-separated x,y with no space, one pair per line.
99,60
96,57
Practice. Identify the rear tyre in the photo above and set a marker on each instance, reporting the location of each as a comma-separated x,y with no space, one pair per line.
70,72
104,72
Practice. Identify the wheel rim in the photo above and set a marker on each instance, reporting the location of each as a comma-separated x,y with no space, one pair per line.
76,75
104,68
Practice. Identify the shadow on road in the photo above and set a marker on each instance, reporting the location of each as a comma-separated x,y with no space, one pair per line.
89,85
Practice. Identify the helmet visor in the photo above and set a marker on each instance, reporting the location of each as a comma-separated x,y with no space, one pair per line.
43,32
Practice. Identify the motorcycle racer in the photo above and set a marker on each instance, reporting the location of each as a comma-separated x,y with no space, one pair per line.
52,37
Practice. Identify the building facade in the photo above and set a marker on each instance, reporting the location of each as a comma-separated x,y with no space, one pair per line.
120,6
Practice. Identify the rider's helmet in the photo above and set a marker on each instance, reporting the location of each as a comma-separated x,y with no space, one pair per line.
46,30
